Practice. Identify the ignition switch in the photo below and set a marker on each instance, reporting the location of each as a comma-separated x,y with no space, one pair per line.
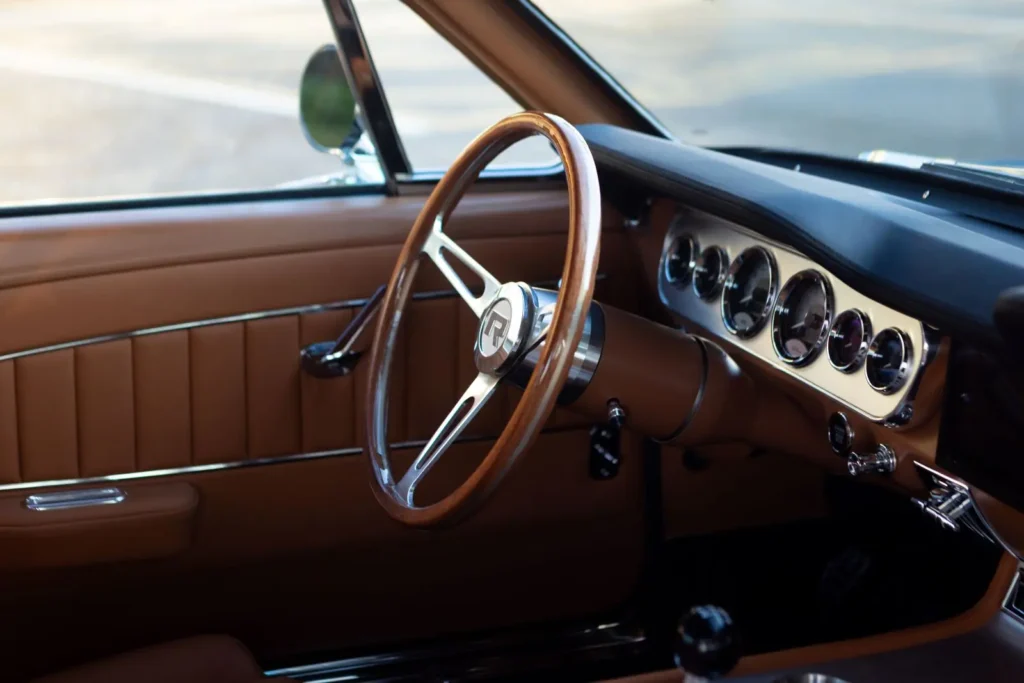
605,455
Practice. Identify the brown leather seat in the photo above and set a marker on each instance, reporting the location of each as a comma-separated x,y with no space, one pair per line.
203,659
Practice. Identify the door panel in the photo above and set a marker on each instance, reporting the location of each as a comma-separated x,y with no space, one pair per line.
163,400
168,340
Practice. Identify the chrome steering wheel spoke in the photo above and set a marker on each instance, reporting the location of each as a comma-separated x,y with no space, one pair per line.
506,330
468,406
436,242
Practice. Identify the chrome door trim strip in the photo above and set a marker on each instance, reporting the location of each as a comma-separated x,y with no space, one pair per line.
238,318
192,324
240,464
206,322
219,466
174,471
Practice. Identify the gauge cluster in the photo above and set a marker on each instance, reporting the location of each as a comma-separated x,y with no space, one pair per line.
779,306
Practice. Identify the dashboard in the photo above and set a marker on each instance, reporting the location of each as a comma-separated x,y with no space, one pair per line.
768,301
873,302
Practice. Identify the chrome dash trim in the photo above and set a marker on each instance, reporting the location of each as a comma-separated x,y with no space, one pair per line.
220,466
698,400
1009,602
228,319
851,390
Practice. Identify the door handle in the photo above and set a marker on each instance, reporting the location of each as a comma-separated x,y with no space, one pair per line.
63,500
337,358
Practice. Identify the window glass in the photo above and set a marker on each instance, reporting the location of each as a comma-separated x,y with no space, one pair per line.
440,100
142,97
939,78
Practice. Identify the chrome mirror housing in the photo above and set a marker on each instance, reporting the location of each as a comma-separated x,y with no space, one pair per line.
330,121
327,107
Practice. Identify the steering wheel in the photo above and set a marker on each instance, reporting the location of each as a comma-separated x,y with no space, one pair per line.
509,326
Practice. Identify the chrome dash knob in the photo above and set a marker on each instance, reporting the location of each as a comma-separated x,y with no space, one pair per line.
881,461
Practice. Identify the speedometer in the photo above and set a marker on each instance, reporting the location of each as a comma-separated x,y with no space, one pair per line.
749,292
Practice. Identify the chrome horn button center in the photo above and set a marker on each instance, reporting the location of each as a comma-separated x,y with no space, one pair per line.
504,328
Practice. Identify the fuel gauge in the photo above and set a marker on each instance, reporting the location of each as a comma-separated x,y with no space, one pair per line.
848,340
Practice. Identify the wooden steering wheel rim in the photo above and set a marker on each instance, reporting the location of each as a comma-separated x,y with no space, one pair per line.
578,276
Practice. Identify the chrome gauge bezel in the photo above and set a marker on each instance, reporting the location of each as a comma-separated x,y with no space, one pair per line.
899,408
723,267
906,362
865,342
730,281
780,310
694,248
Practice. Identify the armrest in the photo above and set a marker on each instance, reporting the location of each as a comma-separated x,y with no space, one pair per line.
151,520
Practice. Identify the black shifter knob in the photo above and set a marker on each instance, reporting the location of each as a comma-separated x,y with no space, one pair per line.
707,645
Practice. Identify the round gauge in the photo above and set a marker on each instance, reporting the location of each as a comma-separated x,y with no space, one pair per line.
679,260
802,317
848,340
749,292
888,360
709,272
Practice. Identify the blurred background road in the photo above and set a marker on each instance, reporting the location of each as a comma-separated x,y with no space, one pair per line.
128,97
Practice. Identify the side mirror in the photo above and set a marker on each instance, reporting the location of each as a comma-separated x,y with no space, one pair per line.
327,107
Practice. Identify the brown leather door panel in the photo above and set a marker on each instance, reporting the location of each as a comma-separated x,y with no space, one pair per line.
139,341
223,391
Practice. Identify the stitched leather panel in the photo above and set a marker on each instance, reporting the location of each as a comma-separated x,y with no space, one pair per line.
104,399
228,392
10,469
234,391
217,362
163,415
47,416
272,392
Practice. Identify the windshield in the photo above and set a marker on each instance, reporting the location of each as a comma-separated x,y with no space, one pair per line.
931,77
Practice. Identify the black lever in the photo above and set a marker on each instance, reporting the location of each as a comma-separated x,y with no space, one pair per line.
329,359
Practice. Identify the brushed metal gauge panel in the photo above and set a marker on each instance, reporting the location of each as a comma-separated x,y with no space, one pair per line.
850,388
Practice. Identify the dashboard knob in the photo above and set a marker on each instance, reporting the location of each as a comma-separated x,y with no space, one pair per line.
881,461
707,644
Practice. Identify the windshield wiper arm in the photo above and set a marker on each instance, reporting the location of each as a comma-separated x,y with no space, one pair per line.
1000,178
978,174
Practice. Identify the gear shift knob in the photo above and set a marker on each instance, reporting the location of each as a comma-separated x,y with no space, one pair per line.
707,645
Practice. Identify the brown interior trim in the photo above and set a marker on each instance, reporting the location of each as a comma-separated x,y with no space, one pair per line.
50,248
534,72
974,618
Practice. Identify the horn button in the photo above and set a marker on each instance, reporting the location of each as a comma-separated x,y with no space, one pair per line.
504,328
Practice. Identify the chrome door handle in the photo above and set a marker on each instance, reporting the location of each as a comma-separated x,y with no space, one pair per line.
63,500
